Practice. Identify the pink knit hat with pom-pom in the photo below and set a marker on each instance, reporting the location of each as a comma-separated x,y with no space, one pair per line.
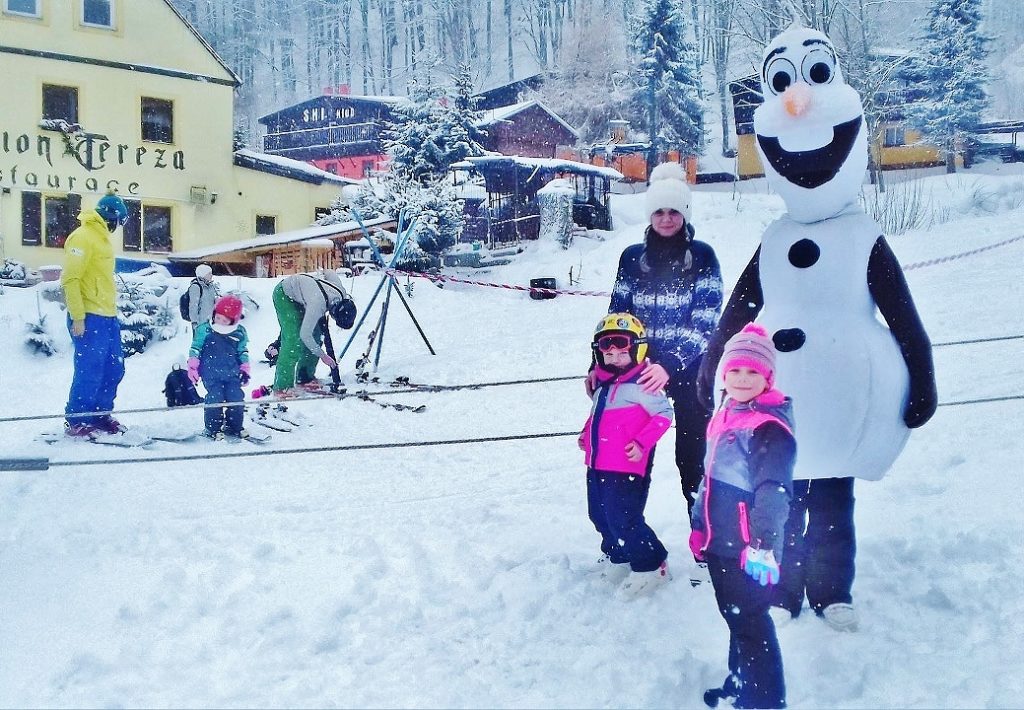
751,347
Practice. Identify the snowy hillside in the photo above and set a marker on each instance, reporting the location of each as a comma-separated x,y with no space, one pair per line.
447,576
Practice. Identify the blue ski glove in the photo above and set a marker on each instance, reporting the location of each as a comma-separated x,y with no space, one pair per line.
761,565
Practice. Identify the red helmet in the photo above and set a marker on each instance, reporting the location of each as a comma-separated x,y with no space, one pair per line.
230,307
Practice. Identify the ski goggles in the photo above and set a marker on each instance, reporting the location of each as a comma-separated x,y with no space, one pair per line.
614,341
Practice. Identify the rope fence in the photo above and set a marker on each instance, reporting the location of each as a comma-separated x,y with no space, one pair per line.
444,278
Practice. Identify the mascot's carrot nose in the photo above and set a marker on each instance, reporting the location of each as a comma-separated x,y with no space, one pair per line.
797,99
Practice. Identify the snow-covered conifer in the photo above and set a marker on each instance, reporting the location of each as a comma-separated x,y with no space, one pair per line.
951,73
667,75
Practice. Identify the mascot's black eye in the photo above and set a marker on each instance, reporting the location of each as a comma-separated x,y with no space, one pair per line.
820,73
779,74
781,82
819,66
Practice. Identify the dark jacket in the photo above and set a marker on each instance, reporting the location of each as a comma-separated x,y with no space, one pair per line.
674,286
220,354
748,479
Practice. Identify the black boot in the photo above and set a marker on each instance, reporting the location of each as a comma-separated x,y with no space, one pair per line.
729,691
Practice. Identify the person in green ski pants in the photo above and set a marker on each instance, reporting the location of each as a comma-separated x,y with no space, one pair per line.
301,302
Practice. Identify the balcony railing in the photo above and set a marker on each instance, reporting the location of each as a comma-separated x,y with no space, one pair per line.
316,137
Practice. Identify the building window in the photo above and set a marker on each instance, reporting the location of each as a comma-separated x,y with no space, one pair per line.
131,233
266,224
61,214
60,102
894,136
98,13
48,220
31,219
156,229
22,7
157,120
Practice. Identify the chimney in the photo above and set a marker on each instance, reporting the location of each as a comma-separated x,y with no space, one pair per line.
619,130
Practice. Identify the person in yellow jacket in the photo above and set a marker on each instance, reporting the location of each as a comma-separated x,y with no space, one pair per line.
88,283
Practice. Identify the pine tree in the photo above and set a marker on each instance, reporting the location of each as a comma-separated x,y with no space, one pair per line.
431,131
951,72
667,76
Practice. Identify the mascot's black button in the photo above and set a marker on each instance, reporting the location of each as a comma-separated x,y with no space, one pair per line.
789,339
804,254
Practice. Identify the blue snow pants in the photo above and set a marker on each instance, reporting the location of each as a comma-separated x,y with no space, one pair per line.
616,503
755,659
820,546
219,390
99,368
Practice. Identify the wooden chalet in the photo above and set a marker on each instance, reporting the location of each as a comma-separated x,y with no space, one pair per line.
627,156
528,129
506,211
338,133
295,252
508,94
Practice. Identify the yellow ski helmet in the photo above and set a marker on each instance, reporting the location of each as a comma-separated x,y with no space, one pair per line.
622,324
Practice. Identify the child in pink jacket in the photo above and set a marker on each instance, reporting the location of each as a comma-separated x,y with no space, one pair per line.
618,439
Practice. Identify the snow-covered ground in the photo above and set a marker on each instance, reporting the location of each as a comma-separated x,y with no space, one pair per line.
448,576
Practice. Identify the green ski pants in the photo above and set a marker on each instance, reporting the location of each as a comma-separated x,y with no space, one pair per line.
295,363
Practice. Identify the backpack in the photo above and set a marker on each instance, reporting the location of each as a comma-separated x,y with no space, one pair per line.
179,389
184,303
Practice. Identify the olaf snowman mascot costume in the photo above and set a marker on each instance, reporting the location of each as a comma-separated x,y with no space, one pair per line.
815,282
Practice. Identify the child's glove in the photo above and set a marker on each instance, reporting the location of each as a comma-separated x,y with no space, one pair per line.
760,564
245,373
193,369
698,538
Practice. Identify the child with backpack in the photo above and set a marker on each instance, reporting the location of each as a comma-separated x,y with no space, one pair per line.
196,304
219,356
740,514
618,439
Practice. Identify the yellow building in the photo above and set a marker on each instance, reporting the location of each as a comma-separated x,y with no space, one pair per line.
125,94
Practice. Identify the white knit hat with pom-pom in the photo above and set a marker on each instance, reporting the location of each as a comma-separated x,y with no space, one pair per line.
668,190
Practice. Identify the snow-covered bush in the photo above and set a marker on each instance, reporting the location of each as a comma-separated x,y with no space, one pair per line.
555,201
13,270
144,309
39,340
435,207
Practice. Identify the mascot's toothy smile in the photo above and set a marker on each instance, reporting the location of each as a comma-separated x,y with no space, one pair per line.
812,168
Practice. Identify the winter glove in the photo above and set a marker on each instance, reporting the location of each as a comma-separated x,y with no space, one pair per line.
698,538
244,373
921,404
193,369
760,564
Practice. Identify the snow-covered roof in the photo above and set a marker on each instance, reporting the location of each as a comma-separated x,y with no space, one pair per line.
319,243
288,168
334,99
556,164
279,239
504,113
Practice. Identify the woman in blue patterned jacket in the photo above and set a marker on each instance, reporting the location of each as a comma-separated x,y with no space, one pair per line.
673,284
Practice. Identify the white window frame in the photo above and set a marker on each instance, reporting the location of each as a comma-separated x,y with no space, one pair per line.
18,13
113,16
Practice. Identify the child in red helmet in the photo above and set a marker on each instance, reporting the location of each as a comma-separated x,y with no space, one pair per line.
219,356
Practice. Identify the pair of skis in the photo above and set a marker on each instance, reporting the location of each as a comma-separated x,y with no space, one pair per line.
129,439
